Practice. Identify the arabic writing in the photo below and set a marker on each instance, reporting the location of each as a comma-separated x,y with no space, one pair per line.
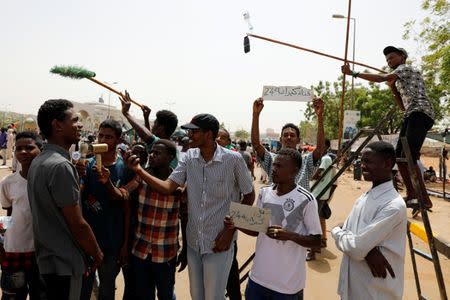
253,219
250,217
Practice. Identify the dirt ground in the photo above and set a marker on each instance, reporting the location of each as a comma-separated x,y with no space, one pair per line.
322,274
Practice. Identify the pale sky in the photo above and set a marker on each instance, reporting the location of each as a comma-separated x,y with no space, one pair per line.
188,55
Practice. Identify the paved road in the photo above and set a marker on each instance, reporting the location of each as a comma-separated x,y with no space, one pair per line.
322,274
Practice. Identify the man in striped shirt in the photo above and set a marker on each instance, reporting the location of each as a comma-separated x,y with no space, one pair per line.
214,176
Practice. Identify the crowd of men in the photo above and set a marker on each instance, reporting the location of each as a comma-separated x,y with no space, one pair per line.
79,221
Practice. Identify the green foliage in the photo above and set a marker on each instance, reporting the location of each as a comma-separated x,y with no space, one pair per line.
373,102
73,72
308,131
434,32
242,134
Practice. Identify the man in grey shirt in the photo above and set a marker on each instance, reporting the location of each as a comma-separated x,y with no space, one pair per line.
61,235
215,177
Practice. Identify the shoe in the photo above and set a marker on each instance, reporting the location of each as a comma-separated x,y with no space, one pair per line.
311,255
323,243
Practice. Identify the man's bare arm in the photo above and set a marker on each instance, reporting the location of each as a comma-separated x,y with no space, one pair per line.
82,232
162,186
142,131
146,113
320,140
378,264
249,198
258,105
104,177
369,76
397,98
281,234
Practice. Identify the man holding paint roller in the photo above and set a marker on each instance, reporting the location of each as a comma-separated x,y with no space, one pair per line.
407,85
104,208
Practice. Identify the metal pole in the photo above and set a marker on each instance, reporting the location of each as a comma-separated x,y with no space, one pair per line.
109,104
444,167
353,65
341,111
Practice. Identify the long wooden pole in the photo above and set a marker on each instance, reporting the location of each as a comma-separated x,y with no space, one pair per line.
312,51
341,115
112,90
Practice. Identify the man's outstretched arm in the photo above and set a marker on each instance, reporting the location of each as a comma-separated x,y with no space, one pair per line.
369,76
258,105
320,141
167,186
142,131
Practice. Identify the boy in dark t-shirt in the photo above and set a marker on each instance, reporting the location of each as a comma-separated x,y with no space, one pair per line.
106,211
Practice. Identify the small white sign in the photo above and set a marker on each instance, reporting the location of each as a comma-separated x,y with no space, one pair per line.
351,117
287,93
250,217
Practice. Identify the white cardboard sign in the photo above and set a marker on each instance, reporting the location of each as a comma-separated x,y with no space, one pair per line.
250,217
287,93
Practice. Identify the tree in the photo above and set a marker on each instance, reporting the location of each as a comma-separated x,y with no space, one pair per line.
434,33
242,134
308,132
373,102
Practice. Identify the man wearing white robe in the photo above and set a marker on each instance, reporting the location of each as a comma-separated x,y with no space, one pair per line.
373,237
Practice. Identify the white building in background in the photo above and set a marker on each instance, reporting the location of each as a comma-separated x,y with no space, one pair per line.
93,113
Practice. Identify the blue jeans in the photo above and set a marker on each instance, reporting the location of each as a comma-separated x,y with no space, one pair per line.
17,285
150,275
208,273
107,273
256,291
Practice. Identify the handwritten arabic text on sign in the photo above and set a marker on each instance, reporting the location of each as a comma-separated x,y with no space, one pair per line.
287,93
250,217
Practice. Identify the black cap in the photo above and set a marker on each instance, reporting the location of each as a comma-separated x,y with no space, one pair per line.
390,49
203,121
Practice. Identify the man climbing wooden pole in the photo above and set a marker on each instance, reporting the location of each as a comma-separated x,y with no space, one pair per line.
408,88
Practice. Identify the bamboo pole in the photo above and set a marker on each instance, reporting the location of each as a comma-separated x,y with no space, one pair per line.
312,51
341,114
113,90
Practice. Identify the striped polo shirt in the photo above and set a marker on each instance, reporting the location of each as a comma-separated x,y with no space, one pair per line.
211,186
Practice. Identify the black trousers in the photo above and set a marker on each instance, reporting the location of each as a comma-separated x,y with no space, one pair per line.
233,285
57,287
414,128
